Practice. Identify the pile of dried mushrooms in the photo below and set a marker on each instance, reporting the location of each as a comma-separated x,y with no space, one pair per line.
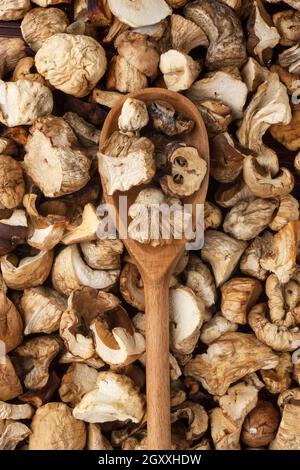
72,335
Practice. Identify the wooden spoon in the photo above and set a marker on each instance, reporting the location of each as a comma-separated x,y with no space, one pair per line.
156,265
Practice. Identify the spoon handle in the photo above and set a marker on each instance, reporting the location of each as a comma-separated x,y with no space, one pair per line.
157,362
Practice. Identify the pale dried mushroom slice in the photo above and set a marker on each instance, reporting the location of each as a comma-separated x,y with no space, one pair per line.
287,23
76,382
179,70
42,308
262,34
186,35
15,412
186,317
54,428
223,29
13,231
165,120
22,102
288,134
212,215
131,286
250,261
270,105
196,416
247,219
254,74
289,59
279,379
226,158
215,328
223,253
106,98
71,272
12,10
188,170
12,434
86,230
11,325
10,385
29,272
140,12
103,254
116,398
63,54
140,51
227,195
69,358
123,77
54,159
136,167
288,211
34,357
228,359
134,116
239,295
260,425
11,51
288,434
12,186
263,182
216,115
280,259
222,87
199,278
284,300
40,23
278,337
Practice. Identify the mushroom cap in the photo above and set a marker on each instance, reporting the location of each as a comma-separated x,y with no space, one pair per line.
260,425
139,12
116,398
139,51
134,116
61,55
239,294
54,428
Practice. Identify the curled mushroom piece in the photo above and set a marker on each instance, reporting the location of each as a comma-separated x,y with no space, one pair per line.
34,100
200,280
34,357
134,116
86,230
250,261
261,183
179,70
54,428
239,295
287,23
139,13
25,70
270,105
54,159
61,54
279,379
103,254
11,325
226,159
289,59
39,24
188,170
11,51
247,219
288,434
216,115
288,211
215,328
186,35
280,259
115,398
196,416
15,412
165,119
212,215
260,425
12,186
10,385
187,316
70,272
13,231
31,271
223,253
131,286
228,359
42,308
12,433
223,29
78,380
230,194
117,159
254,74
12,10
124,77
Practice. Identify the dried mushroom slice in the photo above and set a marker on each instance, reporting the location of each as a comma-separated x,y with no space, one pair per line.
39,24
186,35
10,385
86,230
239,295
11,51
13,231
13,433
61,55
76,382
11,325
179,70
124,77
250,261
288,434
287,23
71,272
254,74
228,359
12,10
196,416
42,308
164,119
223,253
140,12
279,379
226,158
54,428
54,159
288,211
188,170
131,286
288,134
212,215
200,280
223,29
115,398
15,412
23,101
214,328
134,116
103,254
12,186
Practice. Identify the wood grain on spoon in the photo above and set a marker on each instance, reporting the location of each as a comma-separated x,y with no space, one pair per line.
156,265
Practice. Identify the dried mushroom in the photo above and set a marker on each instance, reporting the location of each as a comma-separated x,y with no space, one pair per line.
123,77
39,24
279,379
10,385
186,35
11,51
61,55
260,426
134,116
239,294
139,13
131,286
215,328
13,9
226,159
12,186
288,434
11,325
188,170
54,428
250,261
76,382
12,433
179,70
166,120
288,211
200,280
25,70
288,133
13,231
228,359
15,412
54,159
115,398
287,23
